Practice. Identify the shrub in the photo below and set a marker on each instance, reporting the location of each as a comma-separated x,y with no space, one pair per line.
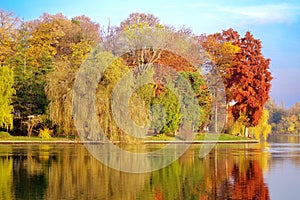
45,133
4,134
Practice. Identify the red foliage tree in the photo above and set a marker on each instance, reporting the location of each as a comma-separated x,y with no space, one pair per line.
249,80
245,73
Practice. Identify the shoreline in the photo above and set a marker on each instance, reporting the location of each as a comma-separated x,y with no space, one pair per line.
145,142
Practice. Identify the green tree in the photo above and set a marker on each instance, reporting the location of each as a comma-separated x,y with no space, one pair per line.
166,112
6,92
199,93
8,35
263,128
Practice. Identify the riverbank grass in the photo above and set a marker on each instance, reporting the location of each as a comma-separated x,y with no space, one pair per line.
198,137
4,136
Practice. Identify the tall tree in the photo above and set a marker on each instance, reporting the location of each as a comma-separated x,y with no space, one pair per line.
249,81
219,52
8,37
139,19
244,70
170,52
6,92
78,37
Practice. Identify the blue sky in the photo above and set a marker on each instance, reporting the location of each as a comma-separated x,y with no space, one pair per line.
276,23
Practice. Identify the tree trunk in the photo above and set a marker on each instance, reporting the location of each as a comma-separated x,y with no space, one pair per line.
246,134
216,118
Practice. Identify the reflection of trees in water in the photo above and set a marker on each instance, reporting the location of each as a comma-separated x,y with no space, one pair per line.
285,148
249,184
77,175
21,175
6,171
65,172
69,172
218,176
28,186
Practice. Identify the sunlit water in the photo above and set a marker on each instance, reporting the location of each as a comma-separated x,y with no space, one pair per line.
233,171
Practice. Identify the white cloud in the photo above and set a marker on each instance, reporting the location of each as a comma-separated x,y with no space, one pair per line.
268,13
264,13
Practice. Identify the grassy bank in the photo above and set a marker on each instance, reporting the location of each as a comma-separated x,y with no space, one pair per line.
4,136
200,137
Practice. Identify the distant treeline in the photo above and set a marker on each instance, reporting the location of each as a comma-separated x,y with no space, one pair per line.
284,120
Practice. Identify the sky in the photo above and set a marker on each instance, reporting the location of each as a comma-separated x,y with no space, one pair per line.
275,22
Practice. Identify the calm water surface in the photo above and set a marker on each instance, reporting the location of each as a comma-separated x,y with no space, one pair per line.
269,170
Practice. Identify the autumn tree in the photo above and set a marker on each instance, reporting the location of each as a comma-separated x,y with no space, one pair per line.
170,52
8,39
8,35
51,43
138,19
284,120
244,70
78,37
249,81
219,50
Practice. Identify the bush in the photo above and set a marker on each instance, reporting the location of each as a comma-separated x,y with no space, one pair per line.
45,133
4,134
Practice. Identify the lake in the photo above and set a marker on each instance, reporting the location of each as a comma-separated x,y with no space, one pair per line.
269,170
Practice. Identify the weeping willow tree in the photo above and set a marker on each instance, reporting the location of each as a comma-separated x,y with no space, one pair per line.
59,90
263,129
6,93
109,79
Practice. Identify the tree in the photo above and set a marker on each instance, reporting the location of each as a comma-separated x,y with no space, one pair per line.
244,70
201,95
75,39
169,52
6,92
219,52
284,120
8,37
249,81
138,19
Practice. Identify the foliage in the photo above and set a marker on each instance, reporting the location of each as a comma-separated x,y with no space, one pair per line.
249,81
8,35
139,19
79,36
6,181
263,129
202,95
236,127
39,60
6,92
45,133
285,121
166,112
4,134
244,70
114,72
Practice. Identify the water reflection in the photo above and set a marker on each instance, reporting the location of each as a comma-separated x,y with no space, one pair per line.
218,176
69,172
